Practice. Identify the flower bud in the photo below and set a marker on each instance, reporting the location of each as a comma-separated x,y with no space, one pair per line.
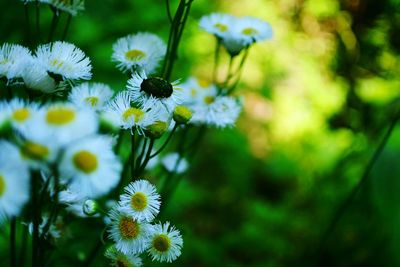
156,130
182,114
89,207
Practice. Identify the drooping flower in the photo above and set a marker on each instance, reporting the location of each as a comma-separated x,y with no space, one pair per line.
141,201
165,242
141,51
89,166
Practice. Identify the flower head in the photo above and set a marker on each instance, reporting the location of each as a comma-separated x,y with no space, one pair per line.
142,51
119,259
141,201
88,95
90,166
130,235
13,60
165,243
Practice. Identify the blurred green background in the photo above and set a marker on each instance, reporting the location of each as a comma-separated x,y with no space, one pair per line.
318,98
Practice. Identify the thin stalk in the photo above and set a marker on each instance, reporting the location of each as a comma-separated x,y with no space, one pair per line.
93,254
22,251
166,142
38,21
133,152
139,159
35,219
238,72
27,20
168,11
13,223
342,208
54,23
64,35
147,157
216,60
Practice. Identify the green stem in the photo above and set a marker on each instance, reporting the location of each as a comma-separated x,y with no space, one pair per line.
166,141
133,157
35,218
24,240
13,223
168,11
147,157
28,28
54,23
139,159
38,21
66,27
238,72
342,208
216,61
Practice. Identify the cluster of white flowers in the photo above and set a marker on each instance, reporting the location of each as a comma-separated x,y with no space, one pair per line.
236,33
132,230
51,67
208,106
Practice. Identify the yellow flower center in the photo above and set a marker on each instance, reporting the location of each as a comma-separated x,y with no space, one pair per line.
203,83
34,151
21,114
161,243
221,27
92,100
85,161
56,63
193,92
2,185
134,54
209,99
133,112
139,201
249,31
121,263
60,115
129,228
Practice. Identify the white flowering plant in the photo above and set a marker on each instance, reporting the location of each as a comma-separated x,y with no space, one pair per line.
73,149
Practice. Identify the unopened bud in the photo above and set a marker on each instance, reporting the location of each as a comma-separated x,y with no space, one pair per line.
182,114
156,130
89,207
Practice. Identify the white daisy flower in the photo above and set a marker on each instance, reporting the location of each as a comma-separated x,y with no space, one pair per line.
217,23
64,61
90,95
221,111
74,201
126,116
89,166
65,122
144,89
141,201
119,259
170,162
13,60
245,32
21,112
198,91
130,235
140,51
36,77
37,151
165,243
14,181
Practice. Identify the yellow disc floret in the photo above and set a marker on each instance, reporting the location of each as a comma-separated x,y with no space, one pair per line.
139,201
34,151
2,185
136,113
249,31
129,228
161,243
134,54
21,114
221,27
85,161
182,114
209,99
92,100
60,115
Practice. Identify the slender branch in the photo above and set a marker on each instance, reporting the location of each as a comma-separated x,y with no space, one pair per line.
28,28
54,23
168,11
216,60
66,27
342,208
139,159
133,152
35,219
12,242
38,21
147,158
166,141
24,240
